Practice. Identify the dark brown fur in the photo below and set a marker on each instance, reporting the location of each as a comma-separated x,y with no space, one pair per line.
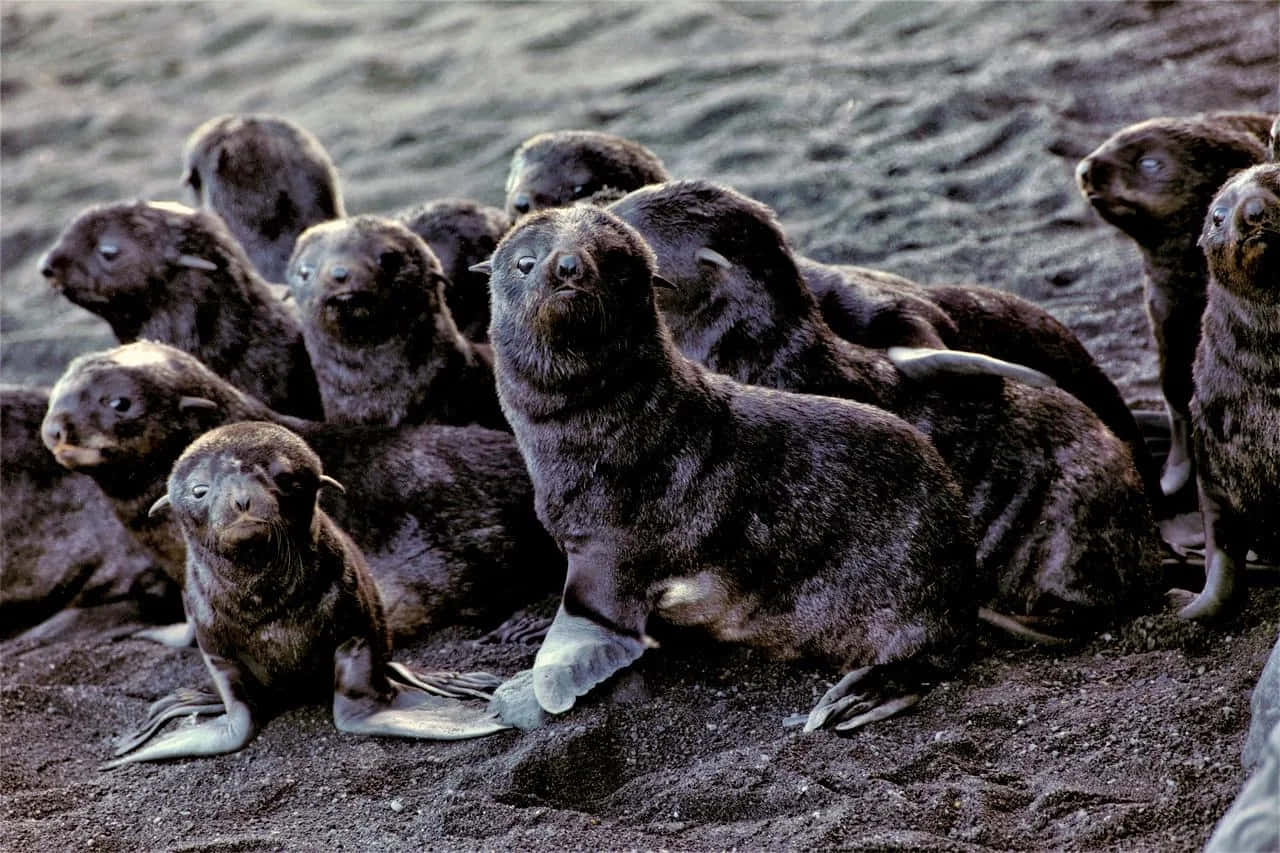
1063,526
272,583
60,543
1235,410
462,233
555,169
880,310
172,274
800,525
382,341
1154,180
443,514
268,179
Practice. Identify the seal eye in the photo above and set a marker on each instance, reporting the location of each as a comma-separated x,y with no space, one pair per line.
304,272
580,190
193,180
120,404
1218,216
1150,165
108,251
199,491
526,264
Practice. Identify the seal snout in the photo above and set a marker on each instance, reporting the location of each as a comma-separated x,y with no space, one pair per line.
521,204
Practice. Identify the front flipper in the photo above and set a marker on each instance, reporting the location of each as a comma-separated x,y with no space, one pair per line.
227,733
179,635
578,654
879,695
922,364
179,703
1225,547
400,708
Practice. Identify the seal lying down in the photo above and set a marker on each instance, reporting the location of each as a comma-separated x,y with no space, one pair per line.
281,597
805,526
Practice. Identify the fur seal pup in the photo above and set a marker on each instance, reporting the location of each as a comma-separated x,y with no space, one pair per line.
60,543
685,496
1153,180
1235,413
462,233
558,168
284,608
444,515
268,178
168,273
1064,530
382,341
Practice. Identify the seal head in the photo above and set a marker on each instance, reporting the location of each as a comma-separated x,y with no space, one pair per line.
559,168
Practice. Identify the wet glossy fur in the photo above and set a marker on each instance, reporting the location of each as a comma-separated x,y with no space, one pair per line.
443,514
1063,527
800,525
381,338
179,277
558,168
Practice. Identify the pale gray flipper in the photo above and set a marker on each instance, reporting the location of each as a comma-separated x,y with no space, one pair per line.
227,733
182,702
514,703
1177,467
1253,821
179,635
1224,581
518,629
450,685
578,654
359,707
923,363
843,709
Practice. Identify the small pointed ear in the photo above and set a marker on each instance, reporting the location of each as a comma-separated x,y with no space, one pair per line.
326,480
160,504
195,263
195,403
660,282
484,267
711,256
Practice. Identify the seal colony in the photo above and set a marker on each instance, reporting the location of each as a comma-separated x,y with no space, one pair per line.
723,438
281,598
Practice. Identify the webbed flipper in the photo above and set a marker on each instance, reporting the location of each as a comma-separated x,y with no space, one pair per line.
923,364
403,709
450,685
226,733
518,629
514,703
863,696
578,654
180,703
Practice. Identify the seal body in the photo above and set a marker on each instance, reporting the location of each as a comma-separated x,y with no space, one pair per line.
555,169
381,338
1235,411
461,233
272,583
268,178
1154,180
60,543
1064,531
443,514
876,309
682,494
167,273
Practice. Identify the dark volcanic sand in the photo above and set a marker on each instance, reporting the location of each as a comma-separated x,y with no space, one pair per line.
936,141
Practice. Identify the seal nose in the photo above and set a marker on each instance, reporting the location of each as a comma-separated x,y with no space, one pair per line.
52,431
1084,171
1251,210
339,273
47,267
568,266
521,203
241,500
